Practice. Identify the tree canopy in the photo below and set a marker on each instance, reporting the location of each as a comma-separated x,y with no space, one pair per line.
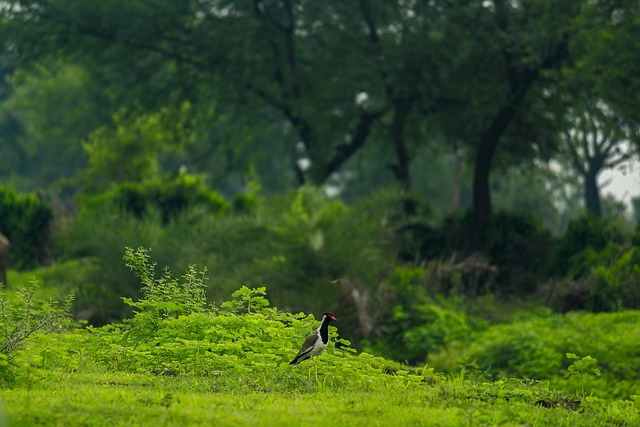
299,89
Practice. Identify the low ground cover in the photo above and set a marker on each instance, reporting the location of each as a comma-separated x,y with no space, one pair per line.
118,399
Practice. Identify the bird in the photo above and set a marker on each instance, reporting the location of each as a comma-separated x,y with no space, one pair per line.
315,343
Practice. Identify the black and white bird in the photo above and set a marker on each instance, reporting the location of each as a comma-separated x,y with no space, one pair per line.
315,343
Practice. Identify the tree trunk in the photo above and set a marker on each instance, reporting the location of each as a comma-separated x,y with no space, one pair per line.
592,193
481,192
520,82
401,168
458,164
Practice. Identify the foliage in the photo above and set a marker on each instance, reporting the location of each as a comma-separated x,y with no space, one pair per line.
25,220
52,108
601,275
416,324
390,89
301,242
164,296
131,149
572,254
537,348
244,368
515,256
518,245
98,237
172,330
21,316
237,356
617,284
581,366
168,196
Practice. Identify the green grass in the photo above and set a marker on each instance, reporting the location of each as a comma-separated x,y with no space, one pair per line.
116,399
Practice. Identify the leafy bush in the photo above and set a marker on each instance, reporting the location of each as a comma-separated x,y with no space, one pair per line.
25,220
165,296
173,332
537,348
609,280
98,238
316,253
416,324
427,328
586,236
168,197
517,246
617,285
332,254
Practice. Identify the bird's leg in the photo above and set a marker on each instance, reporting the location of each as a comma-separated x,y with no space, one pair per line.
309,371
317,369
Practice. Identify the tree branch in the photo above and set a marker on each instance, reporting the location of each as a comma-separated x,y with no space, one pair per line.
344,151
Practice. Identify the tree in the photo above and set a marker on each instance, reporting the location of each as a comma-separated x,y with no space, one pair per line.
271,52
341,75
599,85
48,113
335,72
598,139
533,38
131,149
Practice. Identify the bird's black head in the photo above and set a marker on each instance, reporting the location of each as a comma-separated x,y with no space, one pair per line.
330,316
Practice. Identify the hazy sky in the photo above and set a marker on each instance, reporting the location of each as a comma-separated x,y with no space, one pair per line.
623,186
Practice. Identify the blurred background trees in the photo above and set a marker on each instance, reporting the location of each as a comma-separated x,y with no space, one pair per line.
365,155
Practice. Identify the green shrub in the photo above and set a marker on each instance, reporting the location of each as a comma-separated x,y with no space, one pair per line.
537,348
617,285
609,280
168,197
163,296
416,324
173,331
317,253
573,253
25,220
517,246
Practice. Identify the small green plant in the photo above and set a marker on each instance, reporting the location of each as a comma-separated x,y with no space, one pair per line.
247,299
166,295
21,316
581,373
582,365
163,296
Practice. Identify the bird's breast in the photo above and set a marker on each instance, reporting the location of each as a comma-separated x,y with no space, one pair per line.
318,347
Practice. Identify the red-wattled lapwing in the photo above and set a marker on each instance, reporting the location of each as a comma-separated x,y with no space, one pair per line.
315,343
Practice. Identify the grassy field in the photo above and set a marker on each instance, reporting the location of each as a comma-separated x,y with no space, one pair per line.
110,399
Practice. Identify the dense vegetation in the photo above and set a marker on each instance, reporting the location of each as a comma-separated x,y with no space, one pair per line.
430,172
178,357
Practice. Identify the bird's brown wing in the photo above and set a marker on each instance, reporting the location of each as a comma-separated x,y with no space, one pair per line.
306,348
